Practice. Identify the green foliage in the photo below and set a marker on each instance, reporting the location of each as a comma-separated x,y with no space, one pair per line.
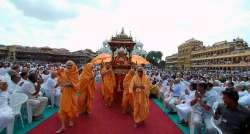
162,64
154,57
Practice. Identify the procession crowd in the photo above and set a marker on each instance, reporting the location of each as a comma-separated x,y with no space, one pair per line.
70,88
199,98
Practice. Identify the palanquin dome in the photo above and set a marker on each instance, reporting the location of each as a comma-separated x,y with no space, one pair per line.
123,37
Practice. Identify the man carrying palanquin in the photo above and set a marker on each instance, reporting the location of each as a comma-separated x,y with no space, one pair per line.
86,89
139,88
127,99
109,83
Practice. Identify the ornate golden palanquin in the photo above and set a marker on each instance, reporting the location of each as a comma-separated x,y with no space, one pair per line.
121,46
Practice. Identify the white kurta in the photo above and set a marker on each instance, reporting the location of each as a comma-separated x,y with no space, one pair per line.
245,100
242,93
184,109
6,114
3,71
12,87
49,87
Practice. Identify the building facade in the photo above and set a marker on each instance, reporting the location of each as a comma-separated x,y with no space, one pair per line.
16,53
224,55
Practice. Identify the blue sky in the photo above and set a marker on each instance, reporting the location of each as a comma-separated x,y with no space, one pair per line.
158,24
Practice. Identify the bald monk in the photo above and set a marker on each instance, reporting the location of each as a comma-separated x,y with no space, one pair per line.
108,79
86,89
68,81
127,100
139,88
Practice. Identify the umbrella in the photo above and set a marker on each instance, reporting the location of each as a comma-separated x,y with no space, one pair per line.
101,58
139,60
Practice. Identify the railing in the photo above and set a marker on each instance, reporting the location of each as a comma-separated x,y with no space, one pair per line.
223,65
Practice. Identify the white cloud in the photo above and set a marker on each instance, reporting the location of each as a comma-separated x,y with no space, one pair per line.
47,10
159,24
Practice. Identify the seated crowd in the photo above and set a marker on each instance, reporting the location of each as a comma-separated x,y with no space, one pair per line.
199,99
38,83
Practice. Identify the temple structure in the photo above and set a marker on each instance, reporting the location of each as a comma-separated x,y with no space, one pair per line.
138,47
224,55
17,53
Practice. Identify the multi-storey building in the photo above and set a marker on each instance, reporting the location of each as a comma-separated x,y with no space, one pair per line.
184,53
171,62
224,55
16,53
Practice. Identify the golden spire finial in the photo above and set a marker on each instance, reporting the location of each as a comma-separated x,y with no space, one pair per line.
122,32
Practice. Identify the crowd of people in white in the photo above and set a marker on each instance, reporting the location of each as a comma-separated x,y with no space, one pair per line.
38,85
200,99
215,102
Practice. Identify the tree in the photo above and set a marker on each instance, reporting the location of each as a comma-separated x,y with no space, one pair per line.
154,57
162,64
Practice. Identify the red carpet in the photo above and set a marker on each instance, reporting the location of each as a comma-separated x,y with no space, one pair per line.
105,120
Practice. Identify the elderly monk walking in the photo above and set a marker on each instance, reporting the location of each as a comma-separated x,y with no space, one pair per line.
86,89
68,81
139,87
127,99
108,84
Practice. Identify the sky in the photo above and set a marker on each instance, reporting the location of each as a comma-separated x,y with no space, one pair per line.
159,24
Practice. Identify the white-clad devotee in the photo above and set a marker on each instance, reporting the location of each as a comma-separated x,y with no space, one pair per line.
168,93
217,86
158,77
184,109
32,87
50,88
185,82
57,96
202,108
177,91
24,77
13,84
245,100
3,69
240,89
6,114
163,87
45,75
230,80
229,84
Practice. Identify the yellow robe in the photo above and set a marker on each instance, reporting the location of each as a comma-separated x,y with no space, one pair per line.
140,97
102,85
86,89
154,90
127,99
108,80
68,101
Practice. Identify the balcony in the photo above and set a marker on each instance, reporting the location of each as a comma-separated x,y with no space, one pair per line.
227,55
241,64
